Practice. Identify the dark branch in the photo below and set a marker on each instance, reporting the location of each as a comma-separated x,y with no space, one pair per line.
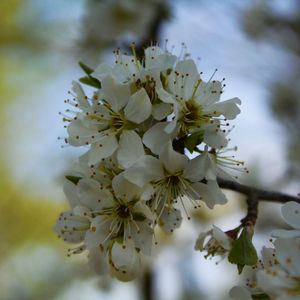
260,194
147,288
252,211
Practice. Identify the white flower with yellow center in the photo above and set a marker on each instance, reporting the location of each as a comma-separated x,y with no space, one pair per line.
122,215
214,242
278,274
196,104
282,281
213,163
149,74
174,176
73,225
110,124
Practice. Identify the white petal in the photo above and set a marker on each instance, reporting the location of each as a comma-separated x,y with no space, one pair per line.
124,189
156,137
96,236
164,62
128,64
199,167
201,239
97,261
208,93
127,263
130,148
173,161
164,96
142,208
189,81
286,234
240,293
79,134
145,170
221,237
117,95
228,109
71,193
142,238
102,149
66,223
268,256
82,102
139,107
90,194
288,255
291,213
210,193
274,284
213,138
170,220
151,54
161,111
148,192
102,71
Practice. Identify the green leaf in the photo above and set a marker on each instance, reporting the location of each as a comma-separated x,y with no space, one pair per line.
85,68
240,268
243,252
88,80
261,296
193,140
73,179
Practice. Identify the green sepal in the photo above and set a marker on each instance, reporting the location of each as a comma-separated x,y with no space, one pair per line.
240,268
243,252
85,68
138,217
88,80
193,140
130,125
261,297
73,179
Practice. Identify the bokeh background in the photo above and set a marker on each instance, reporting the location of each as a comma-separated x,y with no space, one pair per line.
254,44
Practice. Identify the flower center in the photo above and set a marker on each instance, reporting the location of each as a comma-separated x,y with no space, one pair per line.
192,116
123,211
172,187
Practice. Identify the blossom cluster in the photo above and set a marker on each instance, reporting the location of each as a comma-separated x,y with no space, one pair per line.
138,126
277,274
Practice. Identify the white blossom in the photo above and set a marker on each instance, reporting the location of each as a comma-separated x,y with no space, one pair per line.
174,176
214,242
196,104
278,274
135,175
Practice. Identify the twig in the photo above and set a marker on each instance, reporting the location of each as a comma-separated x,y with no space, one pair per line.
252,211
260,194
147,291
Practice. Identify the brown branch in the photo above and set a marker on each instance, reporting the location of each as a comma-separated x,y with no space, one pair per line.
252,211
147,289
259,194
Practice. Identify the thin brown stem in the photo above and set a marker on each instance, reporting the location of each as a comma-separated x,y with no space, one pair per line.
260,194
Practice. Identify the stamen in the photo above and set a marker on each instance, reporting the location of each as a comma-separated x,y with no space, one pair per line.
135,57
